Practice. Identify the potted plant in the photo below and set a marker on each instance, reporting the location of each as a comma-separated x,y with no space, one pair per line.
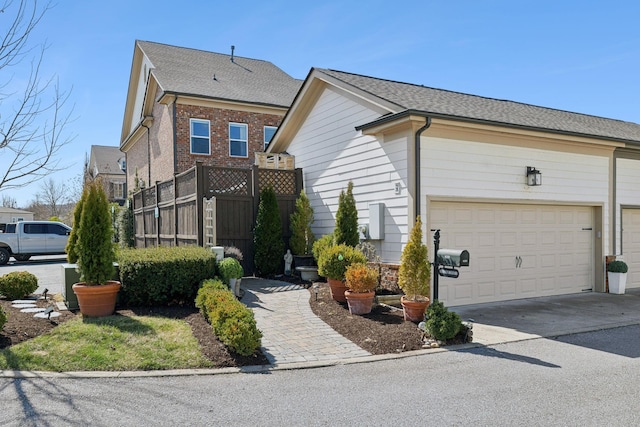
96,292
361,281
333,264
302,238
231,272
414,276
617,274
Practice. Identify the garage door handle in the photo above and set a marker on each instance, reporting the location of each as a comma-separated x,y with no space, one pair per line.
518,262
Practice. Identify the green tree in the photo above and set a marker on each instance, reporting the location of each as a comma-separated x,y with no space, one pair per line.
125,225
71,248
267,238
414,274
347,219
94,247
302,238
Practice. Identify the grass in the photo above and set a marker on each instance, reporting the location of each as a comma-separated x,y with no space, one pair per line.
112,343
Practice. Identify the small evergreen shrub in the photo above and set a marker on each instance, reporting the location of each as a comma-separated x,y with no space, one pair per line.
302,238
230,268
232,322
18,284
441,323
359,277
334,261
164,275
321,244
3,318
125,226
617,266
267,238
72,255
414,274
346,231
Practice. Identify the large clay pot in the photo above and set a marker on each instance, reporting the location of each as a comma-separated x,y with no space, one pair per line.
360,302
337,289
414,310
97,300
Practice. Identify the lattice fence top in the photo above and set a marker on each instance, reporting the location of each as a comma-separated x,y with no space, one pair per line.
229,181
282,181
186,183
165,191
149,196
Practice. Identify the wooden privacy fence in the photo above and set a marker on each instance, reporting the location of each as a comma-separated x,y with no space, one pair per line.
212,206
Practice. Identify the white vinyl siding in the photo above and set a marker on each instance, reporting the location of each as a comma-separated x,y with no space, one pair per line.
200,140
331,153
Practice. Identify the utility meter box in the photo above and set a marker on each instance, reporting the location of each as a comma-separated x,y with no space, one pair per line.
453,257
376,221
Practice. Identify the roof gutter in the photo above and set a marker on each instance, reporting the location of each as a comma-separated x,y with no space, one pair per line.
416,199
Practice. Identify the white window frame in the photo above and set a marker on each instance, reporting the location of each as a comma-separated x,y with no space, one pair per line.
192,136
118,190
246,141
264,134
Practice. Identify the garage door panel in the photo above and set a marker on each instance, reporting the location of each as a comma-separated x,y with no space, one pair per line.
517,251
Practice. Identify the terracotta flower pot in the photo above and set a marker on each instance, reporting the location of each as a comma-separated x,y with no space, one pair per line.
360,302
97,300
414,310
337,288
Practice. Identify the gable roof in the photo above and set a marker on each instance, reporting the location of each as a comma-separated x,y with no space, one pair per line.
194,72
459,106
105,159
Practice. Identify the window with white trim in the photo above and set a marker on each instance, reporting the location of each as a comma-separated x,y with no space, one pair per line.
238,140
269,131
200,141
118,190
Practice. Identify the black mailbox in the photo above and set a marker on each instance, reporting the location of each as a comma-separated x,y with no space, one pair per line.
453,257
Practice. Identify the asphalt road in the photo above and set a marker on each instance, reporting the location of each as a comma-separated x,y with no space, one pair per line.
588,379
47,269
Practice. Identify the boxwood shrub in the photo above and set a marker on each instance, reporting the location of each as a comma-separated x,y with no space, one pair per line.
18,284
164,275
232,322
442,324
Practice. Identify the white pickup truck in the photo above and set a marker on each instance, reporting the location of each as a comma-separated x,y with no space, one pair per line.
23,239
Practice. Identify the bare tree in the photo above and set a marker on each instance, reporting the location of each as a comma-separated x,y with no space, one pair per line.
33,111
9,202
53,195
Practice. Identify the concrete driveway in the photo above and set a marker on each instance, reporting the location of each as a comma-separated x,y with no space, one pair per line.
500,322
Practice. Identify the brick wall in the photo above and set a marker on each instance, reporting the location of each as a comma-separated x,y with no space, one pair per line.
219,127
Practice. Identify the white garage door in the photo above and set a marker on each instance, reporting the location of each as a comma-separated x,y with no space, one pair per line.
516,251
631,245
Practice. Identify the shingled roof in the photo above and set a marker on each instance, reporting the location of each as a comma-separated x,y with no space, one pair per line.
212,75
455,105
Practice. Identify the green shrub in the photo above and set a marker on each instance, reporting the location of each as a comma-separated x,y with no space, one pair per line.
321,244
302,238
347,219
230,268
125,226
3,318
414,274
617,266
334,261
18,284
164,275
267,238
232,322
441,323
72,242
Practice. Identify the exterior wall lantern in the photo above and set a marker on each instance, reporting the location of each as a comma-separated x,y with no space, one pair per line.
534,176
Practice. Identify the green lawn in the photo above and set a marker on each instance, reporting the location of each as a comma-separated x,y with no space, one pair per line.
113,343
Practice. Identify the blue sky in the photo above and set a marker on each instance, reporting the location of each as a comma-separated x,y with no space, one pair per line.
581,56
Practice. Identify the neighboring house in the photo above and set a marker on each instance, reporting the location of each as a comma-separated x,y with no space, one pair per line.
109,164
186,105
461,161
8,215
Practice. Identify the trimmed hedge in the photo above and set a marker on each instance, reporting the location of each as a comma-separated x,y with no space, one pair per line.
164,275
18,284
232,322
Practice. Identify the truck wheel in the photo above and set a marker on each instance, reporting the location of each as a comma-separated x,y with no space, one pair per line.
4,256
21,257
